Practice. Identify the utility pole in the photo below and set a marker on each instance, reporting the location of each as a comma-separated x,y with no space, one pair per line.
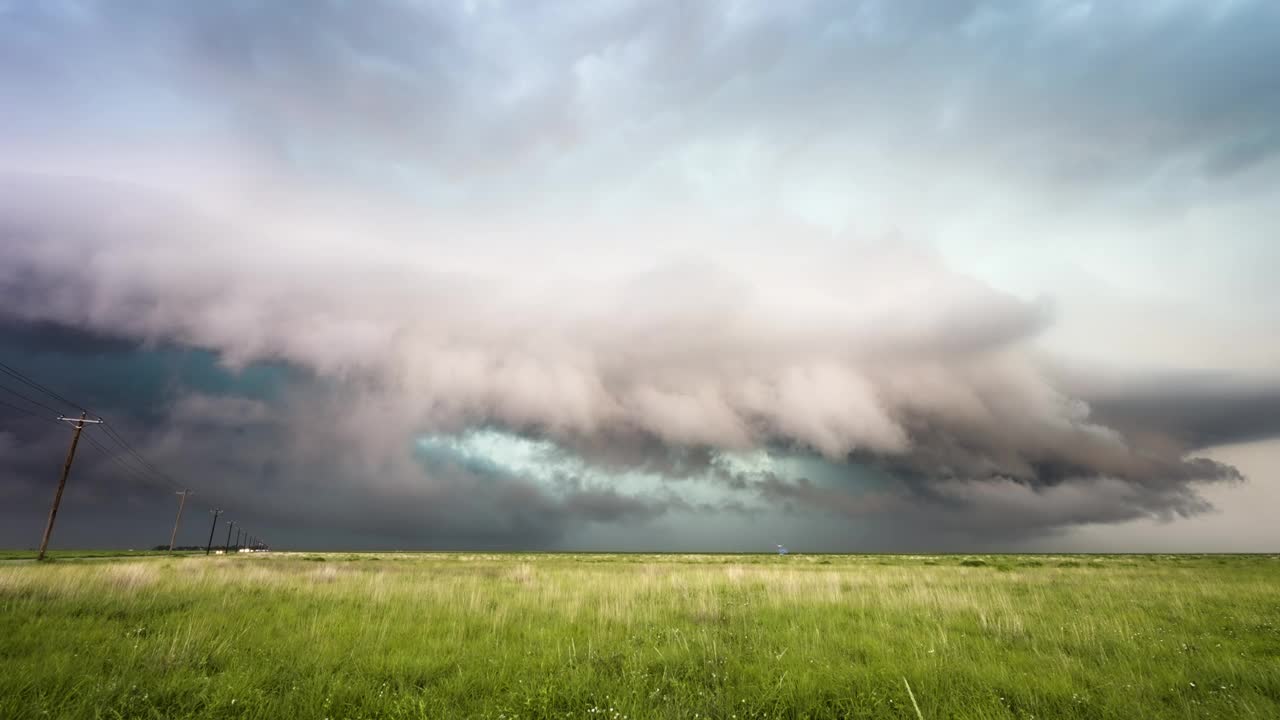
226,547
178,519
215,512
238,532
62,481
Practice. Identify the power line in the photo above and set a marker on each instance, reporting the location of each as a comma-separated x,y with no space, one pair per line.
106,427
113,456
140,468
24,411
134,472
10,390
16,374
146,466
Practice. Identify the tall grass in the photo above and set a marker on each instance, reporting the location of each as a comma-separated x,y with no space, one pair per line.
641,636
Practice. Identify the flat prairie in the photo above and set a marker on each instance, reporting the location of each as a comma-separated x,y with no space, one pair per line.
473,635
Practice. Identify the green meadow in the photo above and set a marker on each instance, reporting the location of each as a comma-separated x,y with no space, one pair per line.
465,635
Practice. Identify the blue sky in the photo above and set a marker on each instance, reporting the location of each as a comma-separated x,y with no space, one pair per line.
855,275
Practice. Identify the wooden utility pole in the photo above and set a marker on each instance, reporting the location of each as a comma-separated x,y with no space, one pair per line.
226,547
181,502
215,512
62,481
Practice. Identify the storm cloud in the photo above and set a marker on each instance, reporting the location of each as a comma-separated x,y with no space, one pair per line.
529,270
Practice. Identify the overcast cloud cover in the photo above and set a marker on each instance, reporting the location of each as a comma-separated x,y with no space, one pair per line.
648,275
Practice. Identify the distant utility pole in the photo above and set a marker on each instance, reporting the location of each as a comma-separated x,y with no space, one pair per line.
62,482
181,502
238,533
226,547
215,512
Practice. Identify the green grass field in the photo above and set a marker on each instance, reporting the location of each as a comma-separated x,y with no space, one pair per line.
314,636
84,554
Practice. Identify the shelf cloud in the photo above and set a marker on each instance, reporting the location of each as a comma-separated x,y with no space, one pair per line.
529,270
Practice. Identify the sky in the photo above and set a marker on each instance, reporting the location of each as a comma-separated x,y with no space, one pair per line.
877,275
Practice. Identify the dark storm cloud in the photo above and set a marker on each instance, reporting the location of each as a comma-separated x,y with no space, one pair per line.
810,497
1196,409
917,499
53,337
28,453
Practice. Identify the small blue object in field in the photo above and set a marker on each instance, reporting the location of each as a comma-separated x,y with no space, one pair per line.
782,550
